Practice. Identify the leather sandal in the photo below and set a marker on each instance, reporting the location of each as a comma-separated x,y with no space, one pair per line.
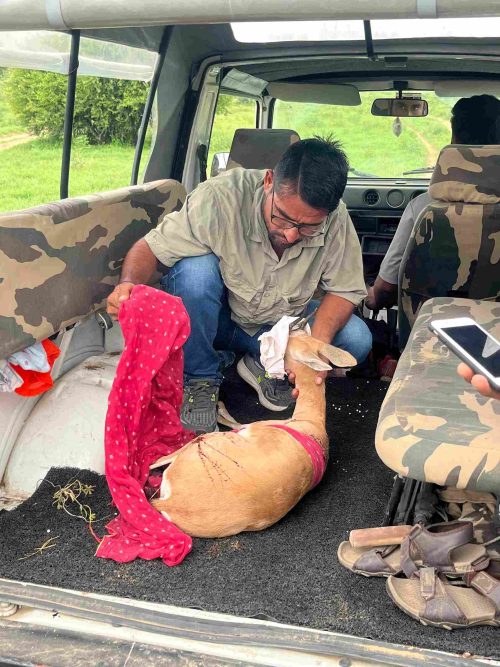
444,546
433,600
381,561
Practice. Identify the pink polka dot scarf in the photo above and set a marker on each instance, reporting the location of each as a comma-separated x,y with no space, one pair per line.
142,424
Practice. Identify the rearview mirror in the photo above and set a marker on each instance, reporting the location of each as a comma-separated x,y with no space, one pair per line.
401,106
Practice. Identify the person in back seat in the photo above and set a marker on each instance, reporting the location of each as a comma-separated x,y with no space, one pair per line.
247,248
474,120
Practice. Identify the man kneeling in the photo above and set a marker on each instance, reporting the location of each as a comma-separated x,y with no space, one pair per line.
248,247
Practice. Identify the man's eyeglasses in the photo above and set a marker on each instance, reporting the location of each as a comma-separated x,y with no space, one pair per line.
303,228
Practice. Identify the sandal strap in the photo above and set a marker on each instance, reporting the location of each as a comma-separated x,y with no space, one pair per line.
433,545
439,606
428,583
488,586
373,560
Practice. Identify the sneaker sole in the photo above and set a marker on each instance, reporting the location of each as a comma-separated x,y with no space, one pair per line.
246,375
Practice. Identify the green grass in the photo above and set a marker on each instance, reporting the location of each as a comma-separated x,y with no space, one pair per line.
29,173
238,114
369,141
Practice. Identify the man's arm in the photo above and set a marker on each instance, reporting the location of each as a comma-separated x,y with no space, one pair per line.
384,292
189,232
381,295
138,268
139,264
332,315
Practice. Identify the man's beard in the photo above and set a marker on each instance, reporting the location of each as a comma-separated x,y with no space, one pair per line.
279,242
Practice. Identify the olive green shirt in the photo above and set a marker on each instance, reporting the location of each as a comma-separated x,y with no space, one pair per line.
224,216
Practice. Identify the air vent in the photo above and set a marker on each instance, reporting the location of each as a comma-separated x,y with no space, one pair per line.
395,198
371,197
416,193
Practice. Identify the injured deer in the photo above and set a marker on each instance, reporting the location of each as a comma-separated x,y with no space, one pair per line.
221,484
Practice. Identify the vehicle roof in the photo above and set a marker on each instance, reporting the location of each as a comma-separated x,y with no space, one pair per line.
67,14
300,61
419,59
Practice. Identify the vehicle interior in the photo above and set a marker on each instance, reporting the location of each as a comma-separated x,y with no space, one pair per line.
226,95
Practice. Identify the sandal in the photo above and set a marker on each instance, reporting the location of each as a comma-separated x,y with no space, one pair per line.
433,600
381,561
444,546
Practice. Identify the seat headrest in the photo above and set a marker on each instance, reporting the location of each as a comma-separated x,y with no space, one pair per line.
468,174
259,149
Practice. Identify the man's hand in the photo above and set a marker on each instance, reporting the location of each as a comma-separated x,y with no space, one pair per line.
120,294
381,295
139,265
320,376
479,382
370,299
333,313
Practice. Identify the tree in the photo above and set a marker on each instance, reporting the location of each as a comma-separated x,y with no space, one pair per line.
106,110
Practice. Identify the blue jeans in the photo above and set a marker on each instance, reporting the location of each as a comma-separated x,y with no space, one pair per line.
198,282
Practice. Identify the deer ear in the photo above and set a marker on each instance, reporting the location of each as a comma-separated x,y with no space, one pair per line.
315,354
338,357
309,358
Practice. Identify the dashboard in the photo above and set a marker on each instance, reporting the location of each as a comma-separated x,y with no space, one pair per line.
375,207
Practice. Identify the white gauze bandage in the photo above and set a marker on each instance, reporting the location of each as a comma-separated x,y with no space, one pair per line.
273,345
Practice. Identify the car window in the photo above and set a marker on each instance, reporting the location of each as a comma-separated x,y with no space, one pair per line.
108,111
112,85
232,113
376,146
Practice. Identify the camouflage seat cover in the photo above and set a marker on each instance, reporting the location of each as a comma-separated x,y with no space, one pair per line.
59,261
433,426
454,249
259,149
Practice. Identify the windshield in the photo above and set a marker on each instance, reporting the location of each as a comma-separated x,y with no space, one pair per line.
382,147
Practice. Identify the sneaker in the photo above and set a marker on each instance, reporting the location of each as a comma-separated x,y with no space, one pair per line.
273,394
199,406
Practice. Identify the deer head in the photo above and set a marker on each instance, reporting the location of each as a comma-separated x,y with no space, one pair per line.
303,349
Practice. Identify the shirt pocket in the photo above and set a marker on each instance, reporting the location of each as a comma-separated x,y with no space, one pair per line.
241,289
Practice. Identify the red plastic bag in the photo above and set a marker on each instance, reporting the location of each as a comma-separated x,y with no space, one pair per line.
34,382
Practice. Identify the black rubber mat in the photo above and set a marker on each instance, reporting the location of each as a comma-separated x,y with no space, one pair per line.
288,573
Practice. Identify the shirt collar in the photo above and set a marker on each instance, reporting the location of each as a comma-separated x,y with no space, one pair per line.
256,228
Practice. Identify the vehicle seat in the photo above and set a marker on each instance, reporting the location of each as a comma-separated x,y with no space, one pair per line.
454,249
259,149
58,264
60,261
433,426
